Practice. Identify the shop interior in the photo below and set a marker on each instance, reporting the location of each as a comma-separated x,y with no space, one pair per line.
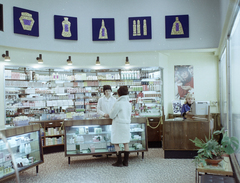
50,88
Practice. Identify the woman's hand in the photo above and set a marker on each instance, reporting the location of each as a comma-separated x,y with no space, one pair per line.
106,115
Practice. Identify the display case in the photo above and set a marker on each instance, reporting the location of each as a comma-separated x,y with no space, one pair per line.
93,137
25,145
52,135
51,94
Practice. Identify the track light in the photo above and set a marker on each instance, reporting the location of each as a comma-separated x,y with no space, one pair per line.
6,56
69,62
39,59
127,61
97,61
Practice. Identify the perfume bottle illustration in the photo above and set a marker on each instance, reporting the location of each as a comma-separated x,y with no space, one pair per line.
177,27
144,27
26,21
134,28
103,32
66,28
138,28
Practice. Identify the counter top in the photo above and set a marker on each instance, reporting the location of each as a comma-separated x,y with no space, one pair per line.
18,130
102,121
187,120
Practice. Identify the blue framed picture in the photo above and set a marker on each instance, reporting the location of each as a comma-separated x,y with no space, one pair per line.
65,27
25,22
103,29
139,28
1,17
177,26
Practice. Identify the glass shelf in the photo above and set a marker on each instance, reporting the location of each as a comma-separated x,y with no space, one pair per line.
90,133
88,141
138,80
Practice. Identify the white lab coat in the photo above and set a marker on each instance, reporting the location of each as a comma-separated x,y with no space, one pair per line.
105,105
121,115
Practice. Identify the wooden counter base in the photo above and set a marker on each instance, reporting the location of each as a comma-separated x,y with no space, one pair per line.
168,154
176,135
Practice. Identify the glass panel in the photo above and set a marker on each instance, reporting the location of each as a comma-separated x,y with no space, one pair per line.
25,149
97,139
235,86
223,90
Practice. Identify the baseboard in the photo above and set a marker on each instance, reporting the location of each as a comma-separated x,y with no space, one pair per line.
179,154
155,144
53,149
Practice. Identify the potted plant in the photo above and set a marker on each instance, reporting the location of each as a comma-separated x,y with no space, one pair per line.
213,150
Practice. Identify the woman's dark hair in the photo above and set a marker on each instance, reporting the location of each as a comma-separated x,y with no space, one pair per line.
106,87
123,90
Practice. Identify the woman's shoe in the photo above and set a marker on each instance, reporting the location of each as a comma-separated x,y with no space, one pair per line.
119,160
125,160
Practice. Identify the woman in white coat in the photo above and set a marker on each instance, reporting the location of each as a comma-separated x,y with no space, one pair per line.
105,103
121,115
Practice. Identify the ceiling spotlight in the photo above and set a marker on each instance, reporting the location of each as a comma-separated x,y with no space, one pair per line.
69,62
6,56
39,59
127,61
97,61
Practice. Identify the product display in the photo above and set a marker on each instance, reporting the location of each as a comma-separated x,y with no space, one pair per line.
26,149
95,137
52,133
39,95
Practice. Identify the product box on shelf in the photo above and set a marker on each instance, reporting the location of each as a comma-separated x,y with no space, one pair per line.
21,123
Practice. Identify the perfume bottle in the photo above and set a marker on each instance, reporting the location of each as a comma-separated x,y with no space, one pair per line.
66,28
144,27
134,28
26,21
103,32
138,28
177,28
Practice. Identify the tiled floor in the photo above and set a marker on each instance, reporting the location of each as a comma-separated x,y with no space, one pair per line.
87,169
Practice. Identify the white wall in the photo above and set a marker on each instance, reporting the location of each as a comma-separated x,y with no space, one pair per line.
205,20
205,67
204,24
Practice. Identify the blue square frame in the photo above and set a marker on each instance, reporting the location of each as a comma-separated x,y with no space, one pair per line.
58,28
141,36
96,26
169,25
18,28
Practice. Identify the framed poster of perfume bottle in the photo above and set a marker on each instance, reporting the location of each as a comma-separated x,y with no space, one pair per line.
25,22
177,26
139,28
1,17
65,27
103,29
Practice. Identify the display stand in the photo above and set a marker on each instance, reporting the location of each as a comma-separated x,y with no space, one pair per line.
56,135
224,168
176,135
93,137
17,137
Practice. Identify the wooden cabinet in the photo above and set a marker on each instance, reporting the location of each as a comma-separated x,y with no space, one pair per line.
52,134
154,130
176,135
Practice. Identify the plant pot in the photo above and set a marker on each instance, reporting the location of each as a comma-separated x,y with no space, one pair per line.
213,162
225,155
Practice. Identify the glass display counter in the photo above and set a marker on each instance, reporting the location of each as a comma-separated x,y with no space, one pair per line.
25,147
93,137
